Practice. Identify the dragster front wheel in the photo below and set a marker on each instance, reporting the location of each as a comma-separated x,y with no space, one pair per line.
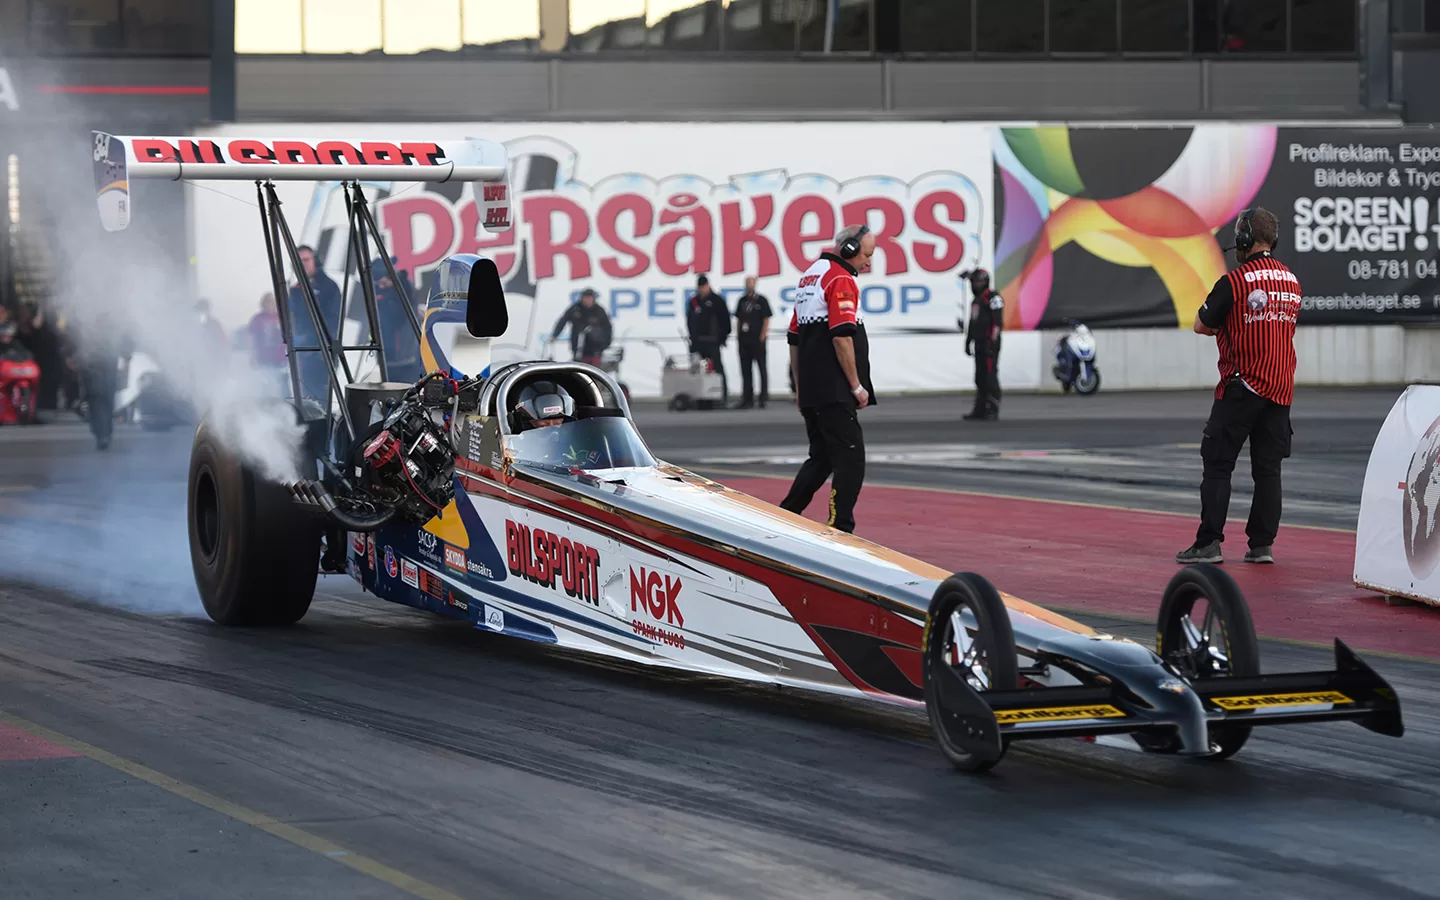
1205,631
968,639
255,555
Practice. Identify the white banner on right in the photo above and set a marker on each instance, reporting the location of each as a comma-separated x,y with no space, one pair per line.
1397,542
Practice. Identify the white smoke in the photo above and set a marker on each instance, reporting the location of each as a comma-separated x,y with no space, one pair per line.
131,284
111,527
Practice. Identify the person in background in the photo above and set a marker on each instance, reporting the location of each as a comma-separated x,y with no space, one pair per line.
263,341
402,347
590,331
982,340
211,332
312,366
708,321
41,339
752,321
102,351
1251,312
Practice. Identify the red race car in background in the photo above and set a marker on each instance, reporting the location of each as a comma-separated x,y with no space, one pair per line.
19,379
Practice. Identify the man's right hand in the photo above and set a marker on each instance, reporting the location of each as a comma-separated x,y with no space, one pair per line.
862,397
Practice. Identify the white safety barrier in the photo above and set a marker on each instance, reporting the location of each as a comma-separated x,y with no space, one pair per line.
1397,543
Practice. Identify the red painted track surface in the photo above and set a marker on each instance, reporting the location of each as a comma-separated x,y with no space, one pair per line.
17,745
1117,561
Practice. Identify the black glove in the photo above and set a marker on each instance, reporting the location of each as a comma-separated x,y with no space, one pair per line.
967,349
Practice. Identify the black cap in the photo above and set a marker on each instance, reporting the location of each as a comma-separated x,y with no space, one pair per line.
701,280
589,292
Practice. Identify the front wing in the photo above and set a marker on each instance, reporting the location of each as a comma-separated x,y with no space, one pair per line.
980,722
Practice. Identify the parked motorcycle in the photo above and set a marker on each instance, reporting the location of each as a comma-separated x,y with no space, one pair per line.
1075,365
19,380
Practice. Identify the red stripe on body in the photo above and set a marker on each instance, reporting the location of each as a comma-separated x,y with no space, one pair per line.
808,602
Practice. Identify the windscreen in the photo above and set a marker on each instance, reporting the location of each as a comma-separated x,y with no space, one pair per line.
608,442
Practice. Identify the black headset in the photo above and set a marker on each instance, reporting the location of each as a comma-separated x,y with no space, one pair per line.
850,247
1245,235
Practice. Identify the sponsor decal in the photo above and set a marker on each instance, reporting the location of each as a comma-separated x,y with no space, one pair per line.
431,584
429,546
409,573
354,569
552,561
454,557
1262,701
475,568
459,603
1057,714
392,568
495,462
357,542
657,634
370,552
653,594
494,618
1258,298
277,152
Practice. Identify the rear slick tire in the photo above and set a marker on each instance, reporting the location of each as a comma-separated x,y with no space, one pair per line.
994,636
256,556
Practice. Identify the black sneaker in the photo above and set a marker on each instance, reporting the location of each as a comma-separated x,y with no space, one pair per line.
1210,553
1259,555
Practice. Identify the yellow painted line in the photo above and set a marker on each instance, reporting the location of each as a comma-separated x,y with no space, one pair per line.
289,833
994,496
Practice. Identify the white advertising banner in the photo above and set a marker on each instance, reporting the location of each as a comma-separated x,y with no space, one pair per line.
1397,542
637,211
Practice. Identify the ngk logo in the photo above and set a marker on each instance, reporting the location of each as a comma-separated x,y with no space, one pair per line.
656,595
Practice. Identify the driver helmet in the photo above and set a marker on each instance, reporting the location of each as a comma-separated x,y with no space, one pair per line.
542,401
979,279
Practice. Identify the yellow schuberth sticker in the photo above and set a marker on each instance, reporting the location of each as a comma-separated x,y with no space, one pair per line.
1057,713
1266,700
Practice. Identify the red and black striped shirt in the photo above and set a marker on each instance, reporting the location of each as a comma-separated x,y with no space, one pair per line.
1253,310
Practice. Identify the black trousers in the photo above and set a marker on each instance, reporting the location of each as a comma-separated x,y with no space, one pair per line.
711,350
101,383
752,353
1237,415
987,380
837,446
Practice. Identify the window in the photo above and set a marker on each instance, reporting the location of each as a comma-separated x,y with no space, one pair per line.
935,26
341,26
597,25
167,26
760,26
1245,26
501,24
13,35
683,24
71,26
268,26
1010,26
1155,26
1323,26
1082,26
414,26
850,28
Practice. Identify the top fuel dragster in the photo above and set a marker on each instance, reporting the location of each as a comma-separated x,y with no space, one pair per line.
447,495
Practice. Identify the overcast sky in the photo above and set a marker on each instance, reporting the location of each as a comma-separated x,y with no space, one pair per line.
354,26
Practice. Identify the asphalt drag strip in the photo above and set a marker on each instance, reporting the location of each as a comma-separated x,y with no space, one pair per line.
445,761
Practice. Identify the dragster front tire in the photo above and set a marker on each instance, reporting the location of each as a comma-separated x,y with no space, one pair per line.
1241,648
993,634
255,555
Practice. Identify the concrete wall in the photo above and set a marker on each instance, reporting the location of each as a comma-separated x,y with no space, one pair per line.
1135,359
329,88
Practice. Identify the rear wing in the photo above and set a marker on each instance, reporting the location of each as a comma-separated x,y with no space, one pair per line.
120,158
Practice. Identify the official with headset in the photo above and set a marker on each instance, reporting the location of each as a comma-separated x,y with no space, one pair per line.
1251,312
830,363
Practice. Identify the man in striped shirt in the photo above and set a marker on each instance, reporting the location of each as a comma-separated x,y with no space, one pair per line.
1251,312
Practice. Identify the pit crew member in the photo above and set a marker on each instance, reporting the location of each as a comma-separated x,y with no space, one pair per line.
1251,312
982,340
590,331
830,361
709,323
752,318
